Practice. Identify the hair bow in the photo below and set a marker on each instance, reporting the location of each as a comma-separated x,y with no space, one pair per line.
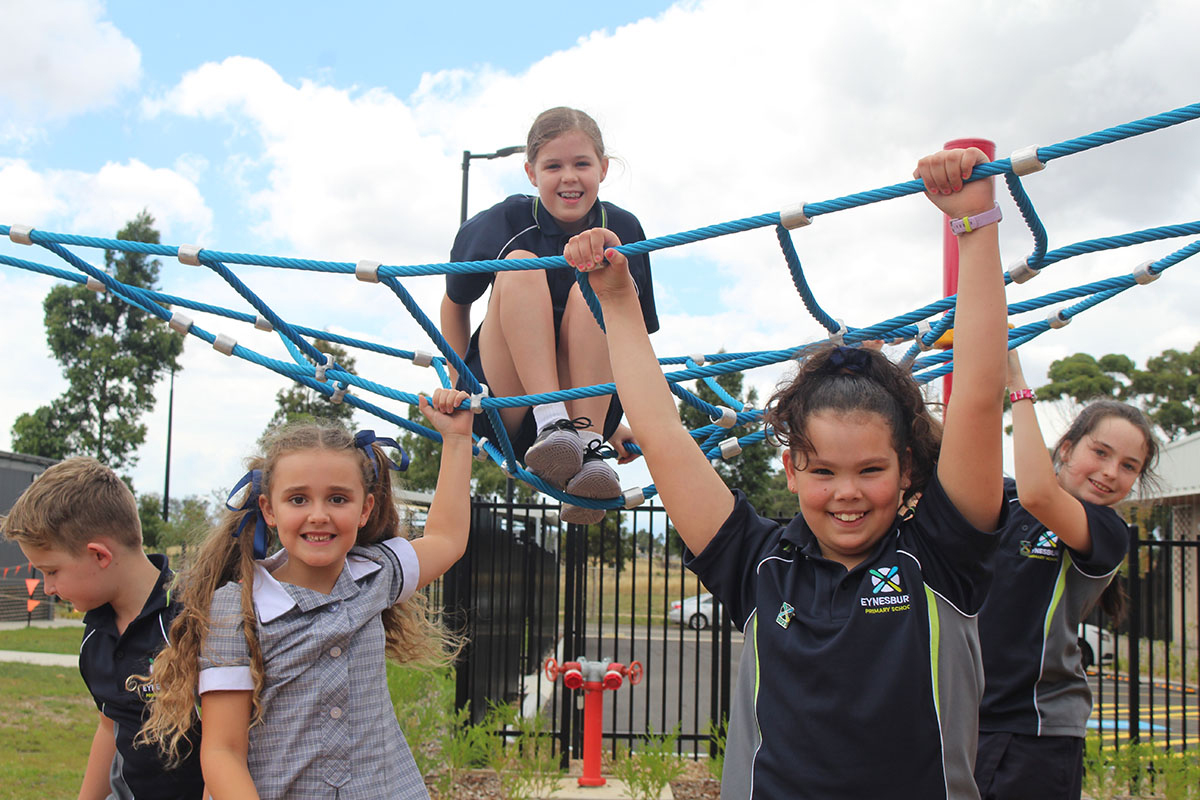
364,439
852,359
253,478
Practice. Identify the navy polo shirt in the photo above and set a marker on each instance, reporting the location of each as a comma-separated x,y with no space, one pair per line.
521,222
107,660
1029,625
860,683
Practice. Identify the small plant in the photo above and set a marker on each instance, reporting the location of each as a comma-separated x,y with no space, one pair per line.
1177,775
718,734
463,747
527,767
652,767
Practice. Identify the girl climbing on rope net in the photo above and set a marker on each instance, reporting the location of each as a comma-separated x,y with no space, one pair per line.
861,674
538,335
1056,560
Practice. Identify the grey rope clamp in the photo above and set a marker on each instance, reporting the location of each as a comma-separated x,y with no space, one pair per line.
838,337
1021,271
727,419
224,343
923,328
793,217
422,358
319,369
367,271
189,254
1025,161
698,358
632,498
730,447
1143,275
477,399
96,285
263,324
481,455
20,234
339,394
181,322
1057,320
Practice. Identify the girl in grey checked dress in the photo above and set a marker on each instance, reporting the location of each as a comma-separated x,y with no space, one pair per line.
288,652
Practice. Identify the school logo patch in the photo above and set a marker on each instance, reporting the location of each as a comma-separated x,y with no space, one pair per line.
886,593
1044,548
786,612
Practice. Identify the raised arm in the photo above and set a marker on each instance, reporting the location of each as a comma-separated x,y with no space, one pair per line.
449,518
1038,488
970,466
695,497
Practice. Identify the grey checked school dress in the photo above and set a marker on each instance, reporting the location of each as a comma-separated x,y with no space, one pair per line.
328,728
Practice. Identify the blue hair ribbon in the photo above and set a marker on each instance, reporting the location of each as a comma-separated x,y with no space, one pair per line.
253,478
364,439
851,359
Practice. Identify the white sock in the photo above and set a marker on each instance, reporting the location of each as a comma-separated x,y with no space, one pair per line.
549,413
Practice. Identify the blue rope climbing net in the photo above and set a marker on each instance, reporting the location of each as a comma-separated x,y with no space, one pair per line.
922,327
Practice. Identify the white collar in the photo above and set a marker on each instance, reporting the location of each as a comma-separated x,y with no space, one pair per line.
271,599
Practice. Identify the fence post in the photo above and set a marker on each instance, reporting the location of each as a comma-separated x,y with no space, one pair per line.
1135,634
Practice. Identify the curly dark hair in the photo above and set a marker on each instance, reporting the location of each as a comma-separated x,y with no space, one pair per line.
849,380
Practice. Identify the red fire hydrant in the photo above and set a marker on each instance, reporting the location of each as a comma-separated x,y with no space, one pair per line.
593,677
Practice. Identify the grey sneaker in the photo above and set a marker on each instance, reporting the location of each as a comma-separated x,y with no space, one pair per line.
595,480
557,452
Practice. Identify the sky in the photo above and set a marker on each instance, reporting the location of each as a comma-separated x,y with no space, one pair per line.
290,129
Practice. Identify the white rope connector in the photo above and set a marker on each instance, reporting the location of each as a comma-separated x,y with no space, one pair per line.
632,498
727,419
96,285
1025,160
838,337
793,217
730,447
338,395
319,369
180,322
1021,271
477,399
698,358
20,233
262,323
1057,320
224,343
190,254
923,327
367,271
482,454
1143,275
422,358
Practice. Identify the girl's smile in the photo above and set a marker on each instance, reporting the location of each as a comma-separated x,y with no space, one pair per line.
317,504
849,488
567,174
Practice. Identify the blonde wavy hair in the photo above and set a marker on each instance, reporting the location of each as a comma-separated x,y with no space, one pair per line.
415,633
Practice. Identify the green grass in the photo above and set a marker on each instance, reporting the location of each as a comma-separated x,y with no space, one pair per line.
47,719
43,640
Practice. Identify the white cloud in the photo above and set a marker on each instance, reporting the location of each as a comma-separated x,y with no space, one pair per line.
60,58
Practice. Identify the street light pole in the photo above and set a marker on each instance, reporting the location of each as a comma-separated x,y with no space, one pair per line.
503,152
167,473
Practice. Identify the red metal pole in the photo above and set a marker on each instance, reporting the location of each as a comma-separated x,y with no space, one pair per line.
950,241
593,715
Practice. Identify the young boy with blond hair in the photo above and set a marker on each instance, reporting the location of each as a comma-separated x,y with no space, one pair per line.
78,524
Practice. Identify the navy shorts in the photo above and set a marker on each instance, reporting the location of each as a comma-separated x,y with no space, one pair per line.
1015,766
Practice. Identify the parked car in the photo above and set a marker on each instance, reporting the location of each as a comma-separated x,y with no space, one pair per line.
695,612
1095,641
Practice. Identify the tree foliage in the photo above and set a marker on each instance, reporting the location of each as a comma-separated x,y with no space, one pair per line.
1166,389
112,355
189,519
